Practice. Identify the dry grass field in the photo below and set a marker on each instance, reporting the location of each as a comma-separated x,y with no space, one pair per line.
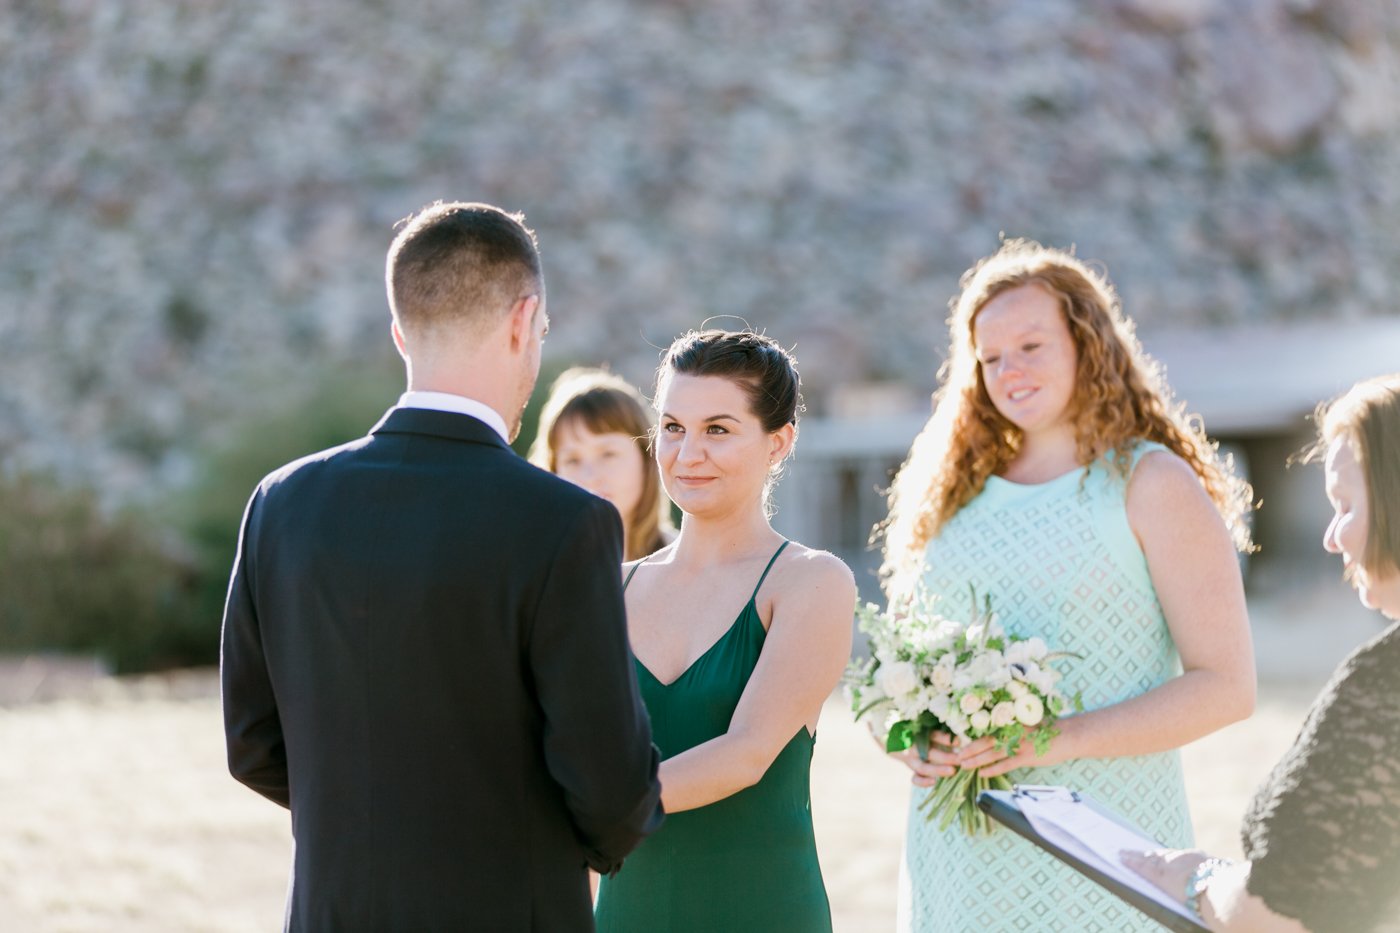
118,814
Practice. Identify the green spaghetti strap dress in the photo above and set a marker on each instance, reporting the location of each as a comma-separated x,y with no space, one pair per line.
744,863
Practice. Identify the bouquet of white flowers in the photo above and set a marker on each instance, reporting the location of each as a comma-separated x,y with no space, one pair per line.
932,674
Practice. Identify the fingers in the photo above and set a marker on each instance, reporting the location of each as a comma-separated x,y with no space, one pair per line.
944,741
876,737
1151,865
939,765
936,759
983,753
930,775
997,763
1168,869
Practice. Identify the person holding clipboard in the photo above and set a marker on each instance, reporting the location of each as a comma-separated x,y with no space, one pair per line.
1322,835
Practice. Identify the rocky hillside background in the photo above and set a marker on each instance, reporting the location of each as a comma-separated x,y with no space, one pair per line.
197,196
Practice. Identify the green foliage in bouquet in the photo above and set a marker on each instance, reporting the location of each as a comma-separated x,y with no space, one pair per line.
930,674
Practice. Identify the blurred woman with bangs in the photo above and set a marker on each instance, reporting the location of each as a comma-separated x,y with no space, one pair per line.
1058,477
595,432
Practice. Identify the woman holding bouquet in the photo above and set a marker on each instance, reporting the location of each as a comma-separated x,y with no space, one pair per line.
738,637
1057,477
1322,835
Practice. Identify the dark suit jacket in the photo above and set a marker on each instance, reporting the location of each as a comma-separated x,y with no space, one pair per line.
425,658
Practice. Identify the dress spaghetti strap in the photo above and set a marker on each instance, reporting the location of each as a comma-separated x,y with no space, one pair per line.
771,561
730,846
631,573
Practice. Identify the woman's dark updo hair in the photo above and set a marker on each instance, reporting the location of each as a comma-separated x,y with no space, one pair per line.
767,372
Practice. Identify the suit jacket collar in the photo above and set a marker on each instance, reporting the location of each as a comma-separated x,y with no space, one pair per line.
448,424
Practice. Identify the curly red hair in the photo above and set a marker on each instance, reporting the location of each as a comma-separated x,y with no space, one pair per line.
1120,397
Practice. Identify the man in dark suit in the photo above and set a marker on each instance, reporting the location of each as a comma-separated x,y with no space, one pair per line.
424,647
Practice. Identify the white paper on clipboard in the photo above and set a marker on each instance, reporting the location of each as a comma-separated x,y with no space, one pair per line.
1091,834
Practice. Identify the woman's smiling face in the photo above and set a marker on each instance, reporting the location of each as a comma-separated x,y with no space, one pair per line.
1027,357
713,452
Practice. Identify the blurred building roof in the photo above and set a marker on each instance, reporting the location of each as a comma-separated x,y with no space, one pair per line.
1262,379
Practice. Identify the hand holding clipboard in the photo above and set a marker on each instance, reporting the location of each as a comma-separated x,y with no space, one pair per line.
1088,838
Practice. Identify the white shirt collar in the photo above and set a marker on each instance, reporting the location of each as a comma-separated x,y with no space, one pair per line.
460,404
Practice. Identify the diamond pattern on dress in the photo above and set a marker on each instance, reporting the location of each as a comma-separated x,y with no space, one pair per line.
1045,554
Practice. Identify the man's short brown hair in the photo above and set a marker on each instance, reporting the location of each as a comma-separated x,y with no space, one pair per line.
460,265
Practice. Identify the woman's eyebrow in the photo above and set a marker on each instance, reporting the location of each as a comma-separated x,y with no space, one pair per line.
719,417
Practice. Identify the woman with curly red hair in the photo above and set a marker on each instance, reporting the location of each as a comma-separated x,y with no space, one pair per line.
1058,477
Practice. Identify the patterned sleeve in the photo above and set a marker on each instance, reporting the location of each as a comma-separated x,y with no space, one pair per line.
1323,832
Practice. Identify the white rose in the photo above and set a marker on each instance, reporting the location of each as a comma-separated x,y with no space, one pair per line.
1027,671
1003,714
988,662
980,720
1045,680
867,697
892,717
945,634
957,722
940,706
909,706
972,668
941,678
970,703
1029,710
998,677
1017,689
897,679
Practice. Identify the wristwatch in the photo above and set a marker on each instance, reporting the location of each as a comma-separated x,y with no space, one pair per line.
1198,880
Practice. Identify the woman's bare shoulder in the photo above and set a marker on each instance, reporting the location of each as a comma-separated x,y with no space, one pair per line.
815,562
805,567
1162,478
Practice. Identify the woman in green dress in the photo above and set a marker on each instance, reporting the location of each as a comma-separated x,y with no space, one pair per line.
738,637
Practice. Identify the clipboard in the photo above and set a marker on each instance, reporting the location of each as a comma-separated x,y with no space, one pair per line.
1077,852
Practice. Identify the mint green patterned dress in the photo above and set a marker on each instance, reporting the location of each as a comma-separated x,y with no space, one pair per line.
1059,561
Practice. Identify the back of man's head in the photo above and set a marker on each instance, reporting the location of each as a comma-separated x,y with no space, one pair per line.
460,267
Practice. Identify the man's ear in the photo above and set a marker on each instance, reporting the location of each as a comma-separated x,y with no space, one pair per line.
522,321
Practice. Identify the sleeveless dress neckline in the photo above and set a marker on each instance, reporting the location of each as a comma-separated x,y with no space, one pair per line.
750,609
746,863
1043,484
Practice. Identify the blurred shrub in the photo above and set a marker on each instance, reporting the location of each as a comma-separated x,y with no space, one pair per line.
340,405
76,578
145,589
